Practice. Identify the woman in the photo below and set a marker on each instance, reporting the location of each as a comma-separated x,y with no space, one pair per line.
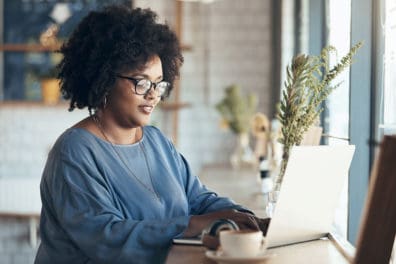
115,190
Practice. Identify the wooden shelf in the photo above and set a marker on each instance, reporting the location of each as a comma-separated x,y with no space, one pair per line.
186,47
27,103
41,48
27,48
166,106
172,106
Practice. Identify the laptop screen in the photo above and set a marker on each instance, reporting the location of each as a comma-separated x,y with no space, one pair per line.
309,194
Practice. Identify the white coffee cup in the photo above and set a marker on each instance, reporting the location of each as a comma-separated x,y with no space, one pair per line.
242,243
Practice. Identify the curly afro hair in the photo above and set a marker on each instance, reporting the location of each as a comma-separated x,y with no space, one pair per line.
117,38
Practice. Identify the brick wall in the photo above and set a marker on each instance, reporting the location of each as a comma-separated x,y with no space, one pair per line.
27,134
15,247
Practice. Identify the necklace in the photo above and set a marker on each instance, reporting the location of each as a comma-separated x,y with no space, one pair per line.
152,190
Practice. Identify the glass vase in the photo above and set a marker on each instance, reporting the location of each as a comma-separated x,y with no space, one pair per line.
242,155
272,199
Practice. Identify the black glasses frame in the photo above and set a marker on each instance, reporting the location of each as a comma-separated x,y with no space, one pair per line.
152,84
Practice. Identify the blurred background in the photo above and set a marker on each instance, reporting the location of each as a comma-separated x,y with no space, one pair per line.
246,43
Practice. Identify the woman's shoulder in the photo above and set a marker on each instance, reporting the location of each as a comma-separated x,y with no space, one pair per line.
74,140
155,135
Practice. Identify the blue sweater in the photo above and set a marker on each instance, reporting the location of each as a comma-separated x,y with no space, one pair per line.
95,210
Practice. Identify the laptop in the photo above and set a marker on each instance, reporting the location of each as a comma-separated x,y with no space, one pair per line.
309,194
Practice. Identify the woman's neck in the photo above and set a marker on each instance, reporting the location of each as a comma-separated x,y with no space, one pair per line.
115,133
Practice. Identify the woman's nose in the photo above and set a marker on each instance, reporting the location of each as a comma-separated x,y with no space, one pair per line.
151,94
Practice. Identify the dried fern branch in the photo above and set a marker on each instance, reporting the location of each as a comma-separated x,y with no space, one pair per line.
307,85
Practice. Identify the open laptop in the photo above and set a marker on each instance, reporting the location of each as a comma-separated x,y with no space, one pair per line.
310,192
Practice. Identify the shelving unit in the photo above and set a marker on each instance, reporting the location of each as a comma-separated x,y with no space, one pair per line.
176,104
172,107
27,48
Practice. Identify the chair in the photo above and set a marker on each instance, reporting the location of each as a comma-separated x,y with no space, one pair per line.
378,228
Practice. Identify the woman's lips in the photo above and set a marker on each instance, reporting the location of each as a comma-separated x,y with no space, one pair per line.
147,109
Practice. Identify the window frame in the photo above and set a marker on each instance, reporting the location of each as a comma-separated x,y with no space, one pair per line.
364,90
362,104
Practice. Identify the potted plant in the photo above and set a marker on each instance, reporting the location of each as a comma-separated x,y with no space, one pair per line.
50,91
47,74
308,84
237,112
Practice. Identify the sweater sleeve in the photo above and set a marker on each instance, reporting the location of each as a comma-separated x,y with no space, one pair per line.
201,199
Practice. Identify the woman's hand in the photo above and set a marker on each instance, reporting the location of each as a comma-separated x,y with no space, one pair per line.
199,222
263,224
242,219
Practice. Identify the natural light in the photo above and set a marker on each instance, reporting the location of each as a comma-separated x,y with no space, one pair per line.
388,125
338,102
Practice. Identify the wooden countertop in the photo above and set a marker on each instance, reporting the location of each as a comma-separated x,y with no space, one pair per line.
322,251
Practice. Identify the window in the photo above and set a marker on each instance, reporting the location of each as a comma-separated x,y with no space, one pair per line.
337,119
365,103
387,80
388,91
338,102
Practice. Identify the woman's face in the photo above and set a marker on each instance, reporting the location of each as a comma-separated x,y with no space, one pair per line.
127,108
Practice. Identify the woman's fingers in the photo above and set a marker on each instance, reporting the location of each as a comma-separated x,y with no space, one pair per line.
263,224
245,220
211,242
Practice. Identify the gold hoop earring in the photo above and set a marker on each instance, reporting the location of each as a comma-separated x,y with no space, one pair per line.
105,101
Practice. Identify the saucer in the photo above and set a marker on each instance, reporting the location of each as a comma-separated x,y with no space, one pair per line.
219,257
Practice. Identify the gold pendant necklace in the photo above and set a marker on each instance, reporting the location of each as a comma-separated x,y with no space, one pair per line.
151,190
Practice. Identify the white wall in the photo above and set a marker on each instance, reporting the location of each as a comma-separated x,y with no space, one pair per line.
27,133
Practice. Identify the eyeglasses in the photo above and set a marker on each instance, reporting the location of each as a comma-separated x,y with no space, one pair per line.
143,86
